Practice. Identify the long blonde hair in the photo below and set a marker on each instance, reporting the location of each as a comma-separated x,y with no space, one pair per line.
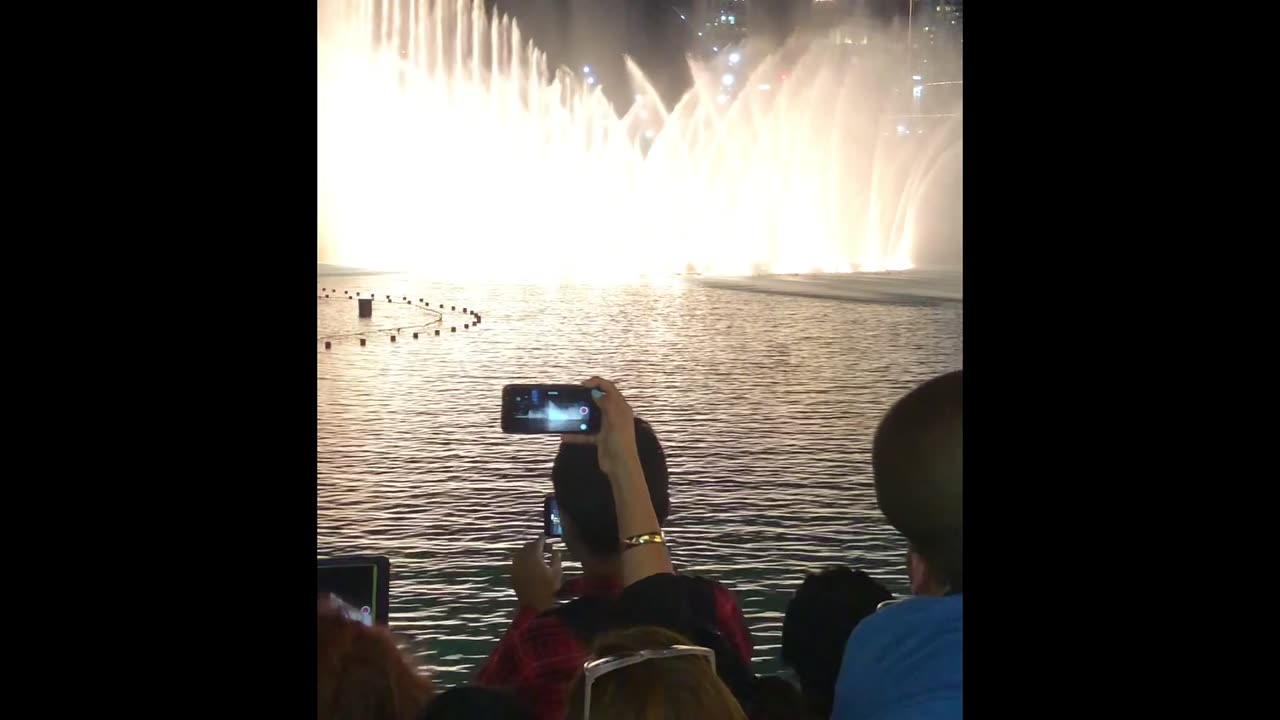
676,688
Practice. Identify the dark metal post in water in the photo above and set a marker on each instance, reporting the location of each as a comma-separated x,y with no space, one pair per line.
366,307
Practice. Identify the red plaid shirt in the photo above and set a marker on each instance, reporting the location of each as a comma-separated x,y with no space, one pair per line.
540,656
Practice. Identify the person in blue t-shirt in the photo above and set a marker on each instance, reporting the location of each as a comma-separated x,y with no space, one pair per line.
904,661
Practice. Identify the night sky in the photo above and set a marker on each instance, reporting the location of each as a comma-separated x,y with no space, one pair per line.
600,32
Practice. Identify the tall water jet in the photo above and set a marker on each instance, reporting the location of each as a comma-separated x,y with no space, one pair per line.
447,146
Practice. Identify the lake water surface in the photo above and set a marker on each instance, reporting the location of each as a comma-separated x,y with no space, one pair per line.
765,403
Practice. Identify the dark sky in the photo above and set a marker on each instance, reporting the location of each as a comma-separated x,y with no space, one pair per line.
599,32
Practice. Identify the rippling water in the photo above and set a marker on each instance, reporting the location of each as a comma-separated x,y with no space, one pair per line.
765,404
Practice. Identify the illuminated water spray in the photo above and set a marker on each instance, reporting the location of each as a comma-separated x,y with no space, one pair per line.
447,146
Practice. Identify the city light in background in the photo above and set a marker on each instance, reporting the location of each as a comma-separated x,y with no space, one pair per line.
490,164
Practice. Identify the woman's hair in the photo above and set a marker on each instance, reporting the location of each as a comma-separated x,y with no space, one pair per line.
672,688
469,702
362,673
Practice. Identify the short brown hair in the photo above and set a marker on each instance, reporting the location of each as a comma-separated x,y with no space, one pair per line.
918,461
362,673
676,687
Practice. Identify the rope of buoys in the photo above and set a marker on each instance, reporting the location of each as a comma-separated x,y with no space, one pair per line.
421,304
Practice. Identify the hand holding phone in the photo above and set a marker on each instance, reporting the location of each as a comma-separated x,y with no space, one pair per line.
616,441
535,582
549,410
551,517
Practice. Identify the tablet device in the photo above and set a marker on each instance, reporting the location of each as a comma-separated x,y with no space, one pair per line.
361,582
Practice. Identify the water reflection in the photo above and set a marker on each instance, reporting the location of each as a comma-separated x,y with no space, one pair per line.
765,404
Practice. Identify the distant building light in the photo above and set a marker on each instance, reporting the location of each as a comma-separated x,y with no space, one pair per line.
586,69
731,22
727,80
734,58
591,80
649,134
699,34
902,130
765,86
916,77
715,49
722,99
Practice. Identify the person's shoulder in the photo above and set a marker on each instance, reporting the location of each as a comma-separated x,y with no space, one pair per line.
669,600
679,581
582,617
916,624
666,588
904,658
919,609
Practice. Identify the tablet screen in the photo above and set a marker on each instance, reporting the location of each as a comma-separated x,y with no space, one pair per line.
359,583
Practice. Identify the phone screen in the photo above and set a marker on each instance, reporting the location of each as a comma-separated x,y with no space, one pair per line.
355,584
551,517
549,409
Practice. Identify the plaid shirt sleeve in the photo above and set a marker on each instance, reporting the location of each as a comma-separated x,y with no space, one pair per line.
502,667
538,658
732,624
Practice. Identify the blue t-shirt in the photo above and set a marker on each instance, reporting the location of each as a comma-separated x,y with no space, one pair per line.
904,662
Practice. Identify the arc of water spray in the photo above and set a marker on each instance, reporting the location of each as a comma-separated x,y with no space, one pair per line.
448,145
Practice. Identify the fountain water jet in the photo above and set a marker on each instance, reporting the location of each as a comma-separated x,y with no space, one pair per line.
447,146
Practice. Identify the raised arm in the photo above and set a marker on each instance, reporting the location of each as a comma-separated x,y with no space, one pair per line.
620,460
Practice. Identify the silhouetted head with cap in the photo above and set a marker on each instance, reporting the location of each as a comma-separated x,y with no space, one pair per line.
918,460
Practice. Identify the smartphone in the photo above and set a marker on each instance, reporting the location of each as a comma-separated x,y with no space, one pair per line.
551,517
549,410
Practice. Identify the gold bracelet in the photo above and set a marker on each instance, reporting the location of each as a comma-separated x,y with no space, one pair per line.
645,539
